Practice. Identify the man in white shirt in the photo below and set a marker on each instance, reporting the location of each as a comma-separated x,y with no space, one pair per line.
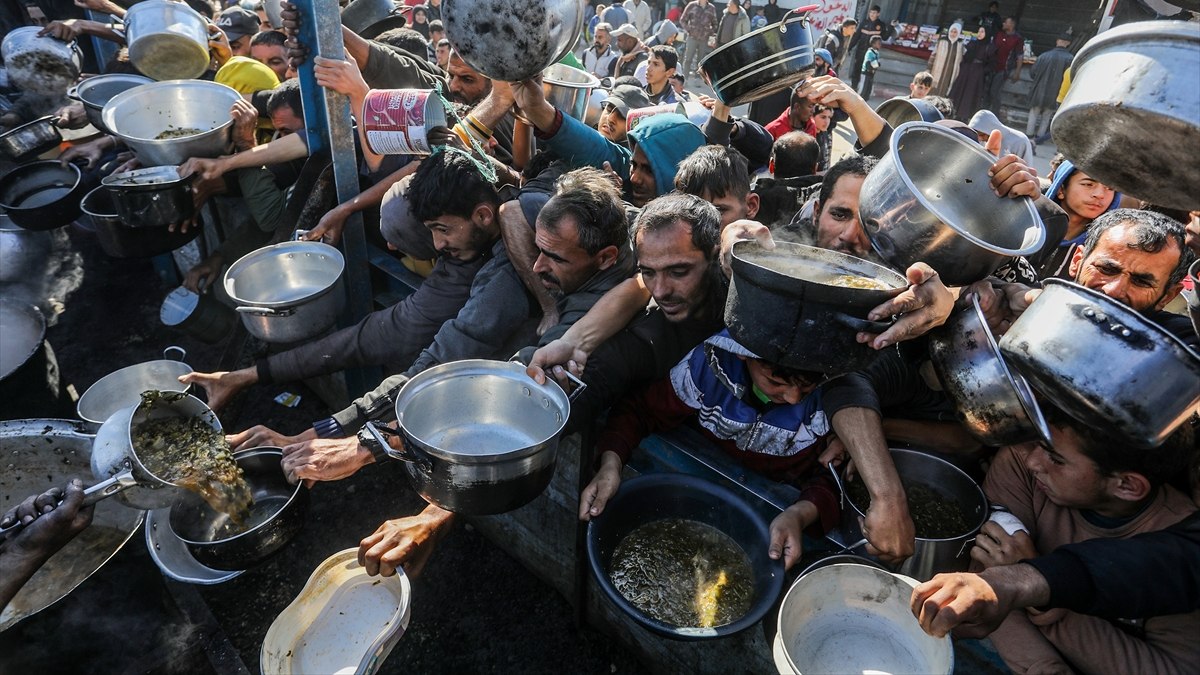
639,11
600,57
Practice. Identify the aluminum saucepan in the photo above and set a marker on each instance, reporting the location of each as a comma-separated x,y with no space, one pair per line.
1104,363
569,89
95,92
141,115
1129,119
288,292
152,197
275,517
794,305
198,314
902,109
929,200
30,139
478,437
122,241
42,195
123,388
512,40
167,40
40,64
994,403
761,62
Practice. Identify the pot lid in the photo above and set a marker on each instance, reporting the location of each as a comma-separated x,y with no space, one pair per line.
21,331
98,90
155,175
178,306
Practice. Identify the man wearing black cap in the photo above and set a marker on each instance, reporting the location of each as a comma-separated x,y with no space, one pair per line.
239,26
614,110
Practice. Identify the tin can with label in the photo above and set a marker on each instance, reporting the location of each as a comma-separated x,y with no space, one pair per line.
398,121
638,115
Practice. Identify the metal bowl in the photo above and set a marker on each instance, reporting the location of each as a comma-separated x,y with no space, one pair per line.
139,115
276,516
42,195
929,200
95,92
512,40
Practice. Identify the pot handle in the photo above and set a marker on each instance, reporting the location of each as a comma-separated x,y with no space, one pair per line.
73,93
799,10
838,480
175,348
861,325
409,454
103,489
266,311
580,386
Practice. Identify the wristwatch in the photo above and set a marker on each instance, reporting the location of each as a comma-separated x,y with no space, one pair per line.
373,442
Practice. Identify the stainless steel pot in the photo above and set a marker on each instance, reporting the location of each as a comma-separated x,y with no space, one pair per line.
928,200
199,315
902,109
122,241
138,116
40,64
276,516
152,197
288,292
30,139
115,459
931,556
761,62
369,18
1105,364
512,40
29,378
123,388
994,403
22,251
96,91
42,195
479,437
167,40
569,89
1129,119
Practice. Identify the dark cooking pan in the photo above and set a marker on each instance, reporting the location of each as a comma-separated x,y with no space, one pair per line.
121,241
42,195
786,305
761,62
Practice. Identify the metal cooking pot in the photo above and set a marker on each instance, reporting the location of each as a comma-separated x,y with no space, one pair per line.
96,91
761,62
854,618
139,115
478,437
40,64
1104,363
657,496
151,197
122,241
902,109
277,516
199,315
782,305
31,139
994,403
47,453
114,457
288,292
123,388
512,40
1129,119
22,251
29,378
928,200
931,556
167,40
369,18
569,89
42,195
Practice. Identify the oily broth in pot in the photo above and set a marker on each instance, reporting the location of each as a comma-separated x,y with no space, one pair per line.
817,271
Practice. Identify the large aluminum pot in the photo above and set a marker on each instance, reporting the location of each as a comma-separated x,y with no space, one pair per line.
288,292
46,453
1130,118
138,116
761,62
29,379
478,437
22,251
928,200
512,40
123,388
931,556
152,197
994,403
275,517
42,195
569,89
1105,364
854,618
43,65
95,92
30,139
902,109
789,306
167,40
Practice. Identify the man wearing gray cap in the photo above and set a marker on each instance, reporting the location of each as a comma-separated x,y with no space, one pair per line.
239,25
615,108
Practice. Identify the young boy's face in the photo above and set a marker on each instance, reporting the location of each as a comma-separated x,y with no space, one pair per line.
918,90
781,390
1065,475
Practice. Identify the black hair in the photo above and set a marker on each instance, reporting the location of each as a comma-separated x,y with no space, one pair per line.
1111,455
701,216
1152,233
849,22
591,199
272,38
854,165
287,93
437,24
875,8
448,183
679,77
627,79
875,39
404,38
796,154
943,105
667,54
714,169
795,375
924,77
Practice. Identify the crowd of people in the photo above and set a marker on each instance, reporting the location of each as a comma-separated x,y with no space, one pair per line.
604,251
